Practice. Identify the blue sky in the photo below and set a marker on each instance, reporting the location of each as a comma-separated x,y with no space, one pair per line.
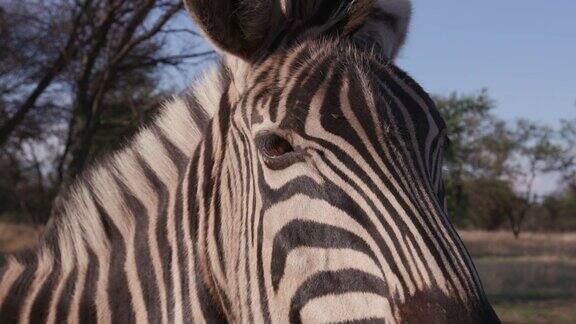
524,52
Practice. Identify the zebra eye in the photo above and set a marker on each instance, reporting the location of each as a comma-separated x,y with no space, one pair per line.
273,145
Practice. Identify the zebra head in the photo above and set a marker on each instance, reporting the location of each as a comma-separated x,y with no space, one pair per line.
324,194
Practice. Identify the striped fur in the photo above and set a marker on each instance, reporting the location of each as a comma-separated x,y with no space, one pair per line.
196,222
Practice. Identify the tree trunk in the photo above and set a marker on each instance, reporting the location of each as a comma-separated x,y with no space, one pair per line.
68,52
80,150
516,231
10,126
78,147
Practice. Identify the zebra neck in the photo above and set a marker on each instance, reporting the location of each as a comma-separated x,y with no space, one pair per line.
147,269
36,286
125,245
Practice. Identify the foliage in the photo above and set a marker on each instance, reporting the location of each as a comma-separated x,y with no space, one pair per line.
492,165
568,162
491,199
559,211
75,77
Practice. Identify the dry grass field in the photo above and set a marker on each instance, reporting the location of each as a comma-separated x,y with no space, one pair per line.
529,280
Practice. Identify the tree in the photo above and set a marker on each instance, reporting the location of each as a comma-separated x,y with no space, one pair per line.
518,156
75,76
492,198
40,39
24,54
561,211
467,118
492,166
127,48
568,140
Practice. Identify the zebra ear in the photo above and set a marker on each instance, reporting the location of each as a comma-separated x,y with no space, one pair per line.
385,26
380,24
238,27
243,27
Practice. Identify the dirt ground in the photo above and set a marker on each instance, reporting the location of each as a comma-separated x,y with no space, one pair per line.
529,280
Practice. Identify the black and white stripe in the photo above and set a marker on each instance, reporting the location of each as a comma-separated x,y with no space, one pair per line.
299,185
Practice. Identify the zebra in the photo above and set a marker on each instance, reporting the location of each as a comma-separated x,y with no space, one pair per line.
299,181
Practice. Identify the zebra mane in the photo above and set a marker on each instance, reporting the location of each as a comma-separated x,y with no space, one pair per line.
178,127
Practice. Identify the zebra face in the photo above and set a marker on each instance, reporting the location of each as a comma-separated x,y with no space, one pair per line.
327,171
